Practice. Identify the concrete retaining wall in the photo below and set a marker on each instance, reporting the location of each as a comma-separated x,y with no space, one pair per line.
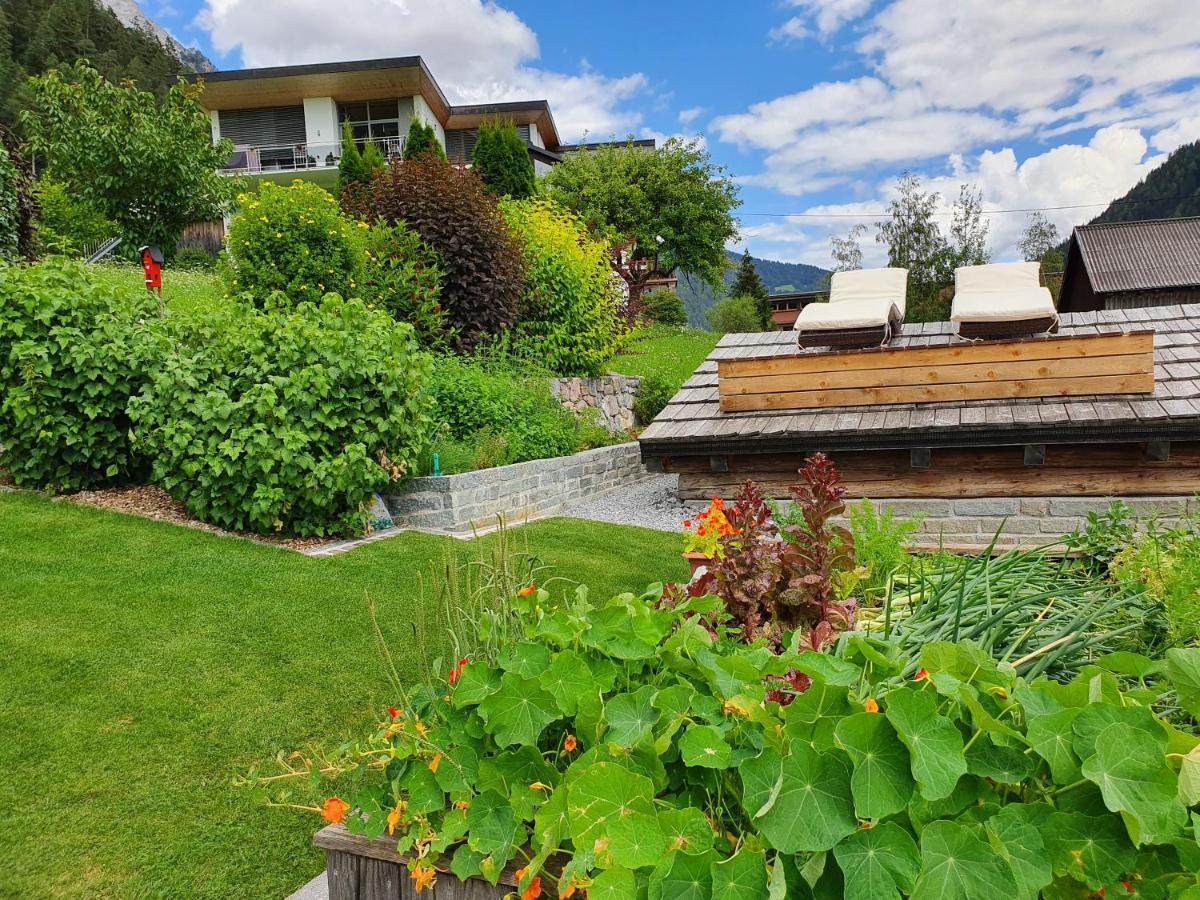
613,395
476,500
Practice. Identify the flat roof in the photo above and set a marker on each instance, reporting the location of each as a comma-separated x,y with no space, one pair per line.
693,424
596,145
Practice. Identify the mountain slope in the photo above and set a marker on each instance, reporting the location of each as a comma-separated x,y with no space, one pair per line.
779,277
1168,192
131,16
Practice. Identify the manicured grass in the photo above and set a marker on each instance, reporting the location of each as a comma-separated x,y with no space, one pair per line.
143,666
671,353
183,290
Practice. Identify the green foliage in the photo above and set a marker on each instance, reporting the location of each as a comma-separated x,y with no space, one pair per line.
422,140
352,168
18,203
497,414
568,316
748,283
628,748
669,352
373,159
286,419
149,166
1164,563
664,307
194,259
10,205
482,269
1170,191
402,275
501,159
880,541
294,240
674,194
735,315
654,393
66,223
1104,535
72,353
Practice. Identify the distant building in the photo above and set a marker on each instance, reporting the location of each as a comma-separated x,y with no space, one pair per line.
786,307
1129,265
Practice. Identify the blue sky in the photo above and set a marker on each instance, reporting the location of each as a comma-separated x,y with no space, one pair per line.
815,105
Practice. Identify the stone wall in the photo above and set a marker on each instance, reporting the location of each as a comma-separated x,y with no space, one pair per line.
613,395
476,500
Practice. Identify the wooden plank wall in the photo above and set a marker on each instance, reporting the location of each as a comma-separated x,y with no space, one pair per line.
1080,470
1054,367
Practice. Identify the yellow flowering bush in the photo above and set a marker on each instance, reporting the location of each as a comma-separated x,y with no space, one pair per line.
293,240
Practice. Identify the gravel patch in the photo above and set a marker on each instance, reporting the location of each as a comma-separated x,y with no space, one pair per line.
651,504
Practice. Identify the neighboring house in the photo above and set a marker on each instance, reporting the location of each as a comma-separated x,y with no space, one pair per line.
1129,265
285,122
785,307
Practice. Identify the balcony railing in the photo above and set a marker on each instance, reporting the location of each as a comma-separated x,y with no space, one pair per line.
247,160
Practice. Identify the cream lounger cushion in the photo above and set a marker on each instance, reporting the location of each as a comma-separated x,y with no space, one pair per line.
1014,305
865,313
870,284
996,277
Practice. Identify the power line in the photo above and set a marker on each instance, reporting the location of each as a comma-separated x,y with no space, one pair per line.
986,212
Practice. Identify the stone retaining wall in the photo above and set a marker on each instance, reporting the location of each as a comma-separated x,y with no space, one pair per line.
613,395
476,500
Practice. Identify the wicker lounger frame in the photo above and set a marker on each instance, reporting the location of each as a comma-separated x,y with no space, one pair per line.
1015,328
848,338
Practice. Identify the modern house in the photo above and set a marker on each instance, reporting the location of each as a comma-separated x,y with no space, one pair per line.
285,121
1130,265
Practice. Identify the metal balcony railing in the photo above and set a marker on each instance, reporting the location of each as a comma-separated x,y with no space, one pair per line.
248,160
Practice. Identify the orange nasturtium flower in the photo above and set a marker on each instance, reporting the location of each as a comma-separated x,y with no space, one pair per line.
871,706
423,877
393,818
922,675
534,890
334,811
435,762
570,744
527,590
568,889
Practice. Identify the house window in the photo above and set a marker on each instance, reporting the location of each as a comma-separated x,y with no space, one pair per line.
377,120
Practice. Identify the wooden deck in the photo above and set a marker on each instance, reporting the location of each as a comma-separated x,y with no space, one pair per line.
1082,365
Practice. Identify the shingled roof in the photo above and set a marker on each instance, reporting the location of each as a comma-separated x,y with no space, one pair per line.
1140,256
692,423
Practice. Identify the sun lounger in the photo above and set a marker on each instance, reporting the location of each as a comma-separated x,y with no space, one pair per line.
1001,300
865,308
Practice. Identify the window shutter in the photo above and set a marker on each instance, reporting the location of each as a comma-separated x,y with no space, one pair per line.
276,126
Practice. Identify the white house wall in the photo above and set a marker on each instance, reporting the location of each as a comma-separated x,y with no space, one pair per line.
422,111
320,121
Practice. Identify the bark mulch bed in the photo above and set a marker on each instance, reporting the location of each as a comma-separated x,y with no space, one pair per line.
152,502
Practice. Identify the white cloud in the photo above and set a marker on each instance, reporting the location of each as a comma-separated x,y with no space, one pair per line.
688,116
827,15
477,50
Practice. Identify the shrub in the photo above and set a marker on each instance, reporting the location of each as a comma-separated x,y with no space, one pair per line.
352,168
664,307
402,275
293,240
483,274
568,315
72,353
18,204
654,393
422,140
734,315
67,224
286,419
501,159
194,259
620,748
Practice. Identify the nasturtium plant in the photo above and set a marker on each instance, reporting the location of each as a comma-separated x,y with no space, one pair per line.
627,750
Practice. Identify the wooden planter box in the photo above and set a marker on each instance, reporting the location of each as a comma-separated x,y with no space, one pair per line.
362,869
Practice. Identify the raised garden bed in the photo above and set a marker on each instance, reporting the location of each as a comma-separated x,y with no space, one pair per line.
358,868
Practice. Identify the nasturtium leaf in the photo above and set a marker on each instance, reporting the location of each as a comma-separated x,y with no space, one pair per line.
614,884
519,712
559,627
492,823
611,811
1095,718
525,658
687,878
1189,778
1053,739
1131,770
1133,664
551,824
777,880
568,680
879,863
465,862
811,717
1015,832
828,668
934,743
458,769
1037,700
969,663
622,633
511,770
762,779
704,747
1091,849
674,700
474,685
421,787
814,809
1183,671
1007,765
957,865
742,876
882,782
687,830
631,717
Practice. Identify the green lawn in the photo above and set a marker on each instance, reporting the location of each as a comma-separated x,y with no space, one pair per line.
143,666
672,353
182,290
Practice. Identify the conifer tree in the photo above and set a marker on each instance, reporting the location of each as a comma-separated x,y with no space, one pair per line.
352,168
422,140
501,160
373,159
748,283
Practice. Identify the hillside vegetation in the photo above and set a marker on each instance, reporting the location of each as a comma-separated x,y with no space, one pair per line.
1169,192
779,277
